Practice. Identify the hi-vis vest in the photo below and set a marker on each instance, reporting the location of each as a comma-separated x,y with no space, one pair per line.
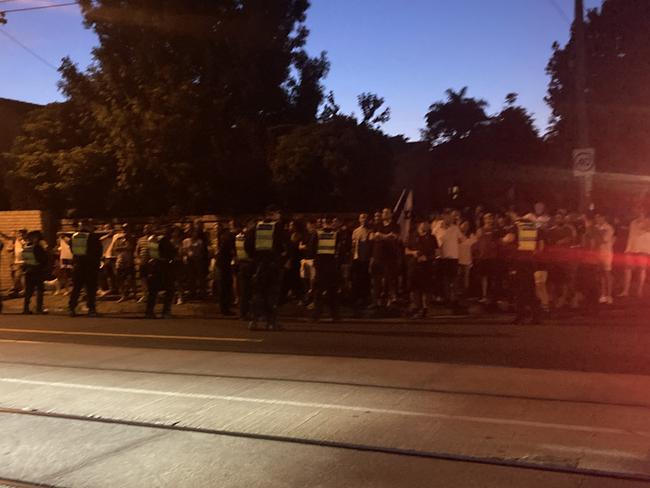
527,236
80,243
240,241
326,242
153,246
28,256
264,236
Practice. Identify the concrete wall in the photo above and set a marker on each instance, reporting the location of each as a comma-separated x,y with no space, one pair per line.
10,222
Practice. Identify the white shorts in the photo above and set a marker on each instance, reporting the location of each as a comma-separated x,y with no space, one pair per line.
307,269
606,260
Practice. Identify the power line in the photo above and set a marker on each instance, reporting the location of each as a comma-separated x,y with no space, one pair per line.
27,9
30,51
558,8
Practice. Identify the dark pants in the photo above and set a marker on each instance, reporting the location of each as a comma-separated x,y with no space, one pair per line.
384,280
267,284
360,277
526,301
224,274
326,288
245,287
420,279
84,276
449,276
292,282
34,283
160,279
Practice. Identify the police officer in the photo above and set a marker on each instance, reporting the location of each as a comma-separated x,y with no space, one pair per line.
266,244
326,285
245,268
34,259
86,258
529,243
160,272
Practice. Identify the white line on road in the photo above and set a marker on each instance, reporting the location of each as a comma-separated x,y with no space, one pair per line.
142,336
332,406
598,452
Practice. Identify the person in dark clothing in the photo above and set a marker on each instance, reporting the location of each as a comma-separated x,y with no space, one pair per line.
86,259
292,282
34,267
160,268
421,251
245,269
383,264
529,243
225,256
326,263
266,243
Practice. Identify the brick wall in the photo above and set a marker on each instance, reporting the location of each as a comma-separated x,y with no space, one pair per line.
9,223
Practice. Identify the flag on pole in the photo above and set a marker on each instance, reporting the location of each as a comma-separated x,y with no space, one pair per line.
404,212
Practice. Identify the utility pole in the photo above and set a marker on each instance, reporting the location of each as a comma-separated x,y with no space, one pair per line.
582,128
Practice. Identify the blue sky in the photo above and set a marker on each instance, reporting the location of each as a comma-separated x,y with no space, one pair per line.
408,51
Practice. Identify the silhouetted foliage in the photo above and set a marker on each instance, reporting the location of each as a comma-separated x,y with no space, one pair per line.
453,118
179,103
618,88
338,164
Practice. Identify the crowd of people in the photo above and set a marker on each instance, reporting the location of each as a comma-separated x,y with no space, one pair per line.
529,261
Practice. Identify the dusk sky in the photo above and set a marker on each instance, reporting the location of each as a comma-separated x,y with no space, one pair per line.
408,51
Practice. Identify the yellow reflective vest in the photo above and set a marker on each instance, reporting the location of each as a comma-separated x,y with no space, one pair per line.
240,248
264,236
28,256
80,243
153,246
527,234
326,242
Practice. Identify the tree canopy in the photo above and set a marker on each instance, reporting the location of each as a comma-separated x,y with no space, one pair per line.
338,163
179,102
617,87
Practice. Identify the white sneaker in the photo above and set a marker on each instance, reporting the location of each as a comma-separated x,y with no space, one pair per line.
602,299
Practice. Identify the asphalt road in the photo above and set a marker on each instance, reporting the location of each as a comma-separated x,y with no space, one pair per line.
611,342
123,401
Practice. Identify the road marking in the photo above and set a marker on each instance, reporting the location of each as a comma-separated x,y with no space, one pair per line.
598,452
142,336
16,341
331,406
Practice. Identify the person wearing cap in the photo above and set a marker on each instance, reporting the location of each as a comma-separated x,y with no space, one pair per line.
326,262
266,243
527,238
160,272
34,259
245,268
86,259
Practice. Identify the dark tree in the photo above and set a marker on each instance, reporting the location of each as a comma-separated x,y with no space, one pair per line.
182,96
370,105
453,118
618,87
338,164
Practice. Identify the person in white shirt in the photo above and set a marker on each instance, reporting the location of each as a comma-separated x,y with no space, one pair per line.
465,261
360,272
636,253
449,238
605,257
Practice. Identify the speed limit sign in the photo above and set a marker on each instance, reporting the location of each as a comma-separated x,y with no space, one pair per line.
584,162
